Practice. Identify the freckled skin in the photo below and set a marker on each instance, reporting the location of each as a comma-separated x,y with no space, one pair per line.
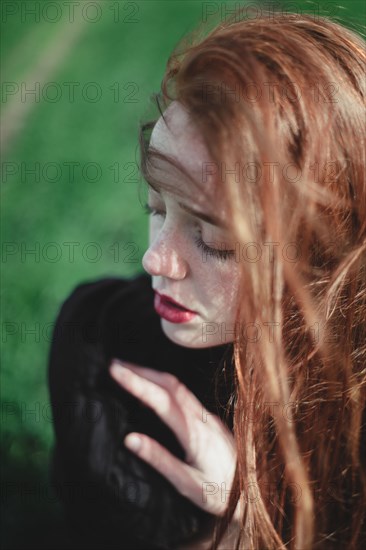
179,268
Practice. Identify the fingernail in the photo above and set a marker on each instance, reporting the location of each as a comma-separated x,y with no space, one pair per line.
133,442
119,369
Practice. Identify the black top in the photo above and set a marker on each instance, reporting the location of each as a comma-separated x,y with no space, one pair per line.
112,498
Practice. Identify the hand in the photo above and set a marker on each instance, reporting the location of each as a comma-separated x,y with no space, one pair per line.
207,475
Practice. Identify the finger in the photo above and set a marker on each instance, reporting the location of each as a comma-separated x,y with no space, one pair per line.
189,406
168,381
184,478
164,379
160,400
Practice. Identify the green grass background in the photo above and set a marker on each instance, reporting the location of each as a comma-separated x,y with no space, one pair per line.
106,212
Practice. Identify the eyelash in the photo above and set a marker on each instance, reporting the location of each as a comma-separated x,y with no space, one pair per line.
214,252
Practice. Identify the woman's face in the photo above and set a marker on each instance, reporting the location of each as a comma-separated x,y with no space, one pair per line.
180,268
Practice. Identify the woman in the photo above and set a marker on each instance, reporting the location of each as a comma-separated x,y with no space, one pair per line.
257,196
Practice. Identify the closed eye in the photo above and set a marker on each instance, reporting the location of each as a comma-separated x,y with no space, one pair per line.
214,252
152,211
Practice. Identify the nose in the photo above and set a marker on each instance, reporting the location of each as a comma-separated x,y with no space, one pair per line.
164,257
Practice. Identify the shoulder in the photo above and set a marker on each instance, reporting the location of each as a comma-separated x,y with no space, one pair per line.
93,310
94,317
90,296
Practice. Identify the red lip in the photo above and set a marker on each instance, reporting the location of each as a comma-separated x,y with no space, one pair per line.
174,302
170,310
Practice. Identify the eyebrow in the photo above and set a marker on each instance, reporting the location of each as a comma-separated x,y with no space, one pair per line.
209,218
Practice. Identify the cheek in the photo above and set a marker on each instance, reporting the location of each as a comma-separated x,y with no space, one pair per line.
219,280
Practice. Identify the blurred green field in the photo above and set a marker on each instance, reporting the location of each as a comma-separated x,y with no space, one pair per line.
112,64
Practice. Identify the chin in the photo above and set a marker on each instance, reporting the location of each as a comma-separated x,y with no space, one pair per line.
185,336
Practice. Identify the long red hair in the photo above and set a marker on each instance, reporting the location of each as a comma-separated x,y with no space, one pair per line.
279,102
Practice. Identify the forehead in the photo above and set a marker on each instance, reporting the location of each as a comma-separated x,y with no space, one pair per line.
178,137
